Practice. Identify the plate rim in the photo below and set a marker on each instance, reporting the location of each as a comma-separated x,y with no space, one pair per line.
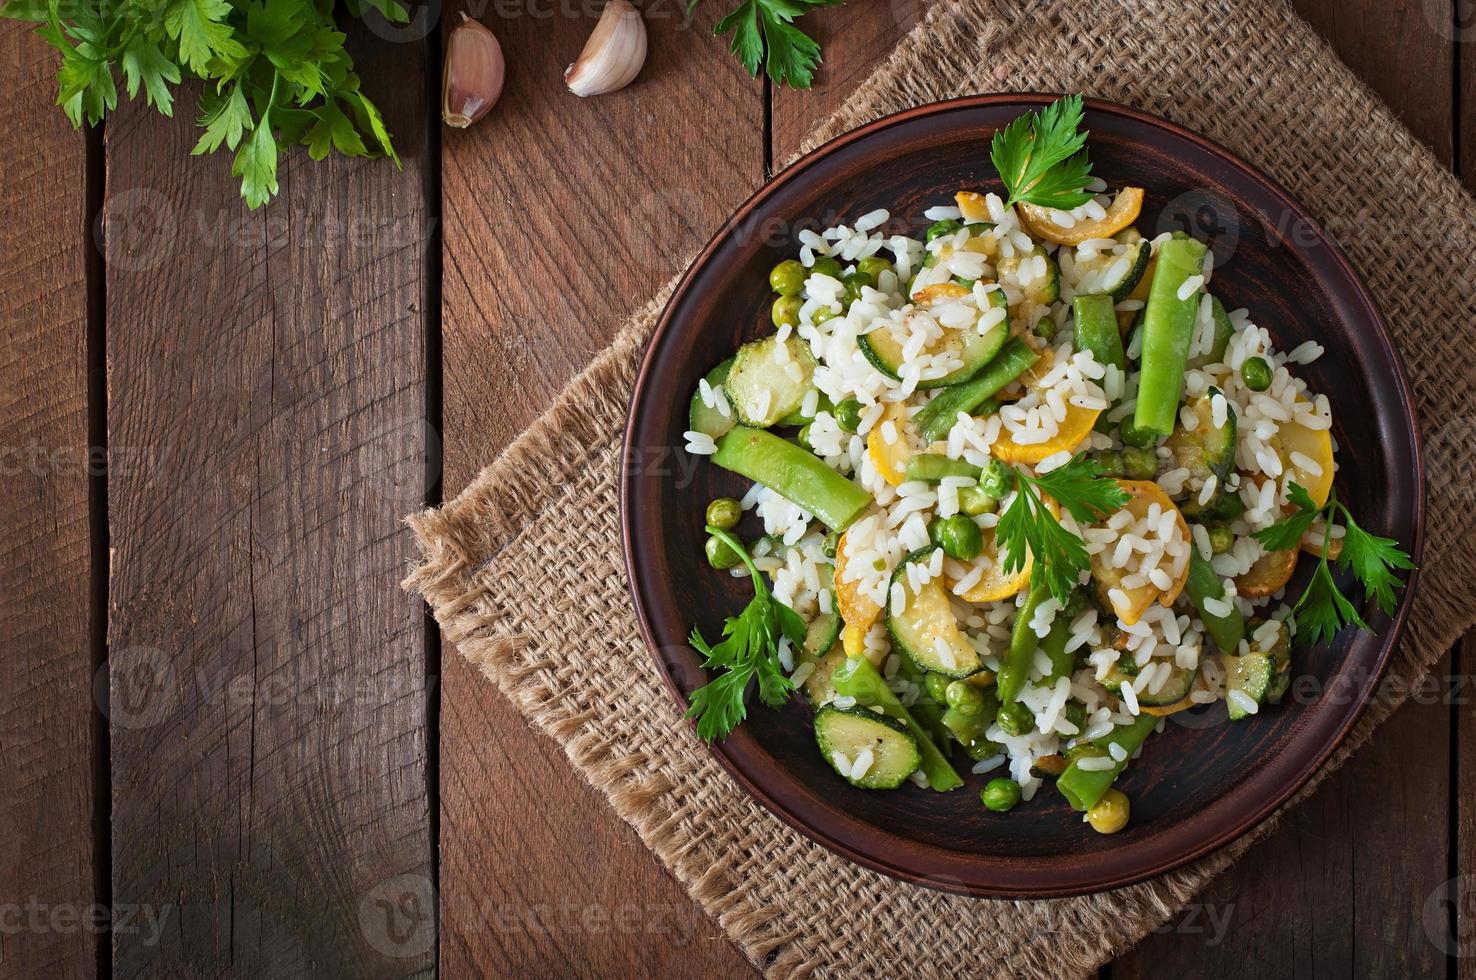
1178,857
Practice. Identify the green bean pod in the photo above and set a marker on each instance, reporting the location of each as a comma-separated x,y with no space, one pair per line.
939,415
1168,327
1084,787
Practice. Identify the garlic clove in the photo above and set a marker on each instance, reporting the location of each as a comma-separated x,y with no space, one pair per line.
474,74
614,53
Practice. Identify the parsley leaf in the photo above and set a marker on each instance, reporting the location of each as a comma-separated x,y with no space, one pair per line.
1374,561
749,650
1287,534
764,30
1323,609
1041,156
276,73
1081,488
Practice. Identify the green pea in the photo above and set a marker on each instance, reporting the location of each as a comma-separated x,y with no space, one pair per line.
785,311
823,314
788,277
997,480
724,512
848,415
1229,507
981,748
826,266
1045,328
964,698
1222,539
1136,437
719,555
1256,373
872,267
1076,713
937,686
1110,813
1139,464
945,227
979,227
804,437
959,537
975,501
1014,719
831,544
1111,463
854,282
1001,795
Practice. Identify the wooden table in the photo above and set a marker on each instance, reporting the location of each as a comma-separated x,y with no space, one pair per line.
294,773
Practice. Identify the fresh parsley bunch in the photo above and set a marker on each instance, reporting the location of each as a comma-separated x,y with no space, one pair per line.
275,72
749,650
763,30
1323,610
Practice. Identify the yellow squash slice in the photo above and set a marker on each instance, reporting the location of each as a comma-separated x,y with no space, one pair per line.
1141,495
1122,212
856,608
1074,429
1316,445
890,458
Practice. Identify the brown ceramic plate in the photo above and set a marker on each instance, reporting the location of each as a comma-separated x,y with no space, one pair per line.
1204,781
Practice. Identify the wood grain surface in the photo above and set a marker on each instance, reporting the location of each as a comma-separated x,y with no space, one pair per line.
275,765
266,401
561,215
47,747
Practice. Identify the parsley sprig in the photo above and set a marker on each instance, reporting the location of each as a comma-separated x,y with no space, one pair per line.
1323,609
763,30
1081,488
1042,157
276,73
749,650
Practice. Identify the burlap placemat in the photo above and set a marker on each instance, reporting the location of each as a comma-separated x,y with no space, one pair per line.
558,635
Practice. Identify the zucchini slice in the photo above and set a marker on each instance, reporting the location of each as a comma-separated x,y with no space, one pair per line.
702,417
884,351
1207,451
846,735
1113,274
927,631
822,634
1042,292
764,385
1174,690
1223,331
1250,678
817,686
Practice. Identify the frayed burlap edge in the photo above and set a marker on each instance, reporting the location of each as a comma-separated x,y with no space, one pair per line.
466,536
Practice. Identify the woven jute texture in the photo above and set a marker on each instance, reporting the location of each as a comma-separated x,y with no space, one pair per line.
558,636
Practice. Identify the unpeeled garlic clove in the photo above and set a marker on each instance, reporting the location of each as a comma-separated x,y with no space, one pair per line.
614,53
474,74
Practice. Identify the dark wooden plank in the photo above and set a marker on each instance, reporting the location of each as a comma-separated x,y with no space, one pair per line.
1339,888
853,48
561,215
1454,908
46,752
266,417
